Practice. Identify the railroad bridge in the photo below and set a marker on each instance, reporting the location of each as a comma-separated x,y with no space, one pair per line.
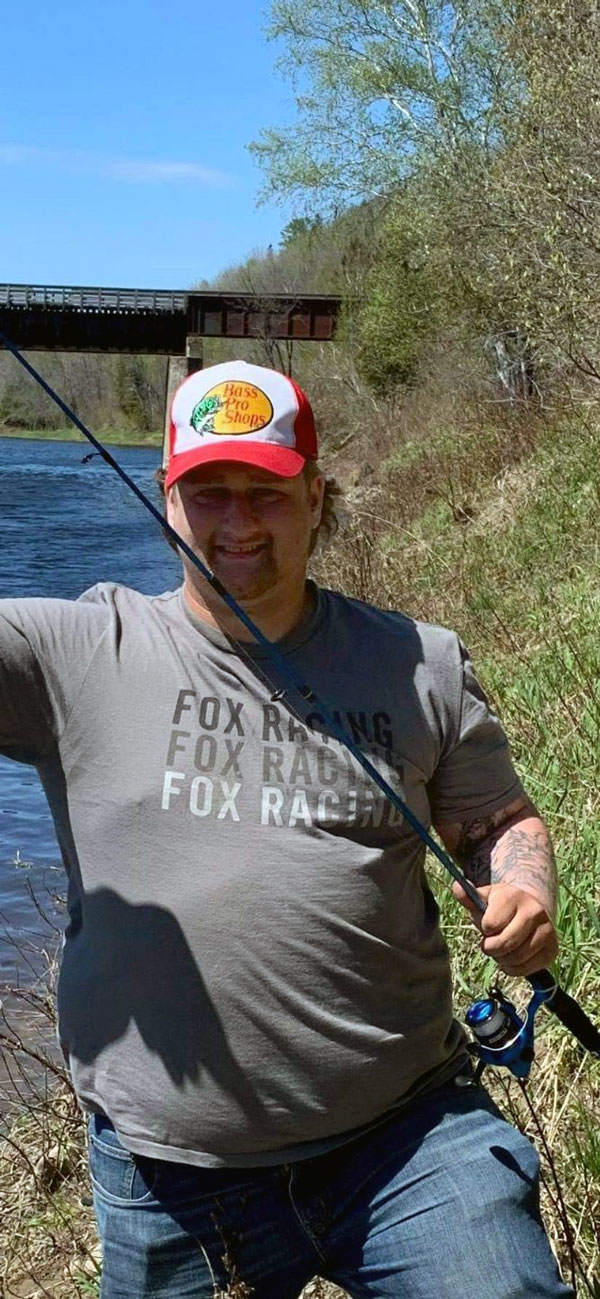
160,322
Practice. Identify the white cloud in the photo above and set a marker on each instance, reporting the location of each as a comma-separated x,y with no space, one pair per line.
129,170
138,171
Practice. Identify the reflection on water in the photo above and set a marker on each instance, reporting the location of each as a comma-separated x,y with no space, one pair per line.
65,526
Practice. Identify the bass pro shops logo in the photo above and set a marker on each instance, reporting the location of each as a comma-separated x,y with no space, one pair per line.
232,409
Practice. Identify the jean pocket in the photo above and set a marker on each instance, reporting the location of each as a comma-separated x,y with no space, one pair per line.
118,1177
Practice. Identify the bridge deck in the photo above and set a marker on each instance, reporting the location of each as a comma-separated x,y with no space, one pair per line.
156,321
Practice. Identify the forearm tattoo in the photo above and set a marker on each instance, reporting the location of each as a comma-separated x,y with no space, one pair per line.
510,847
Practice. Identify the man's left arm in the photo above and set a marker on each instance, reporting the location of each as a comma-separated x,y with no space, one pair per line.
508,856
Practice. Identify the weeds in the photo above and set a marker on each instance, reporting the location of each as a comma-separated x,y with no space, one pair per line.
496,536
49,1245
48,1242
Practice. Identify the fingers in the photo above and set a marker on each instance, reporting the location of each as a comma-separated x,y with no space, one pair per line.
516,931
523,949
506,908
465,901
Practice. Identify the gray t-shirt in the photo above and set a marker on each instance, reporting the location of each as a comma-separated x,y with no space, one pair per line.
252,967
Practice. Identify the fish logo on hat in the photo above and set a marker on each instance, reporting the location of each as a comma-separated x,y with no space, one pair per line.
231,409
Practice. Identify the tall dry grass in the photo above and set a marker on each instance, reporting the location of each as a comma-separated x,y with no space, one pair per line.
491,528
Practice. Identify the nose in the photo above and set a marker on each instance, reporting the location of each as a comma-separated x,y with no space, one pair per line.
238,514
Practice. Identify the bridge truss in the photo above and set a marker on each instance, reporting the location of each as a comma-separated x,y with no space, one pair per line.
155,321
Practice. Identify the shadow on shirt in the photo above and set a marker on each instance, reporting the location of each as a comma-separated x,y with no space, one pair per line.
128,963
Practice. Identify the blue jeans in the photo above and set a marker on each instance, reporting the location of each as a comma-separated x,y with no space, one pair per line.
439,1201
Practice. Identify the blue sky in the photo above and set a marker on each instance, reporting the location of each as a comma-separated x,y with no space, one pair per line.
123,136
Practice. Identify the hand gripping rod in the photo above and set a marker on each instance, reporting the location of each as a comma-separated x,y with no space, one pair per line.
564,1006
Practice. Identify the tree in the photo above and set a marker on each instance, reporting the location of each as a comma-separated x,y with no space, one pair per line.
483,119
23,404
522,227
408,297
380,85
139,392
298,228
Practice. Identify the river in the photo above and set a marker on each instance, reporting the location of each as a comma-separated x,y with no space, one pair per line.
65,526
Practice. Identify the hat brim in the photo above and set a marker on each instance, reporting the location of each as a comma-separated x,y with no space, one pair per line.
283,461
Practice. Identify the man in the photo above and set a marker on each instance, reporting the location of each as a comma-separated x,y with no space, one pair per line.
254,997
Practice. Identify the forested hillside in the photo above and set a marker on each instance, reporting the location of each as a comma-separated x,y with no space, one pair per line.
444,170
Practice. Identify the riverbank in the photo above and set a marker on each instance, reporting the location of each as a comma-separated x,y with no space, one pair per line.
49,1245
490,528
112,437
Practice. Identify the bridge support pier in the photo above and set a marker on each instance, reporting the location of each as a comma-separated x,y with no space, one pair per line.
178,369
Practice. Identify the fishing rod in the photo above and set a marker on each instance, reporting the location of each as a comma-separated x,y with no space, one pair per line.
502,1036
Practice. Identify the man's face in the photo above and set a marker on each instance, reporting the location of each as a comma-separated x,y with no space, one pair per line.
251,527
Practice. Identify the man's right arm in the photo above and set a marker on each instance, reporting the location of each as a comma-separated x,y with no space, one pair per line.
508,855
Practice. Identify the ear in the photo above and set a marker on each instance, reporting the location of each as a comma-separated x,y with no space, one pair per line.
171,498
316,492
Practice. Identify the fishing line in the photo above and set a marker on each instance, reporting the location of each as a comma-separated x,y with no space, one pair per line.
546,989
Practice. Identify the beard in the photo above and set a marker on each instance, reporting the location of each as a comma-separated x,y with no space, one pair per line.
245,578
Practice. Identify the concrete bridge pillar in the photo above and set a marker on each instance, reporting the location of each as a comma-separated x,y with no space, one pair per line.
178,369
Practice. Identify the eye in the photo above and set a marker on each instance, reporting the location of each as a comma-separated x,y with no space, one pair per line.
208,495
266,494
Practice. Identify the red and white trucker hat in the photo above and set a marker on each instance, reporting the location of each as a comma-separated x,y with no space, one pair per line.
242,412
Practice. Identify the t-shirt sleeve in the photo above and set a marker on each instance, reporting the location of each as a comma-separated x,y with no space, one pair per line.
27,724
46,646
475,774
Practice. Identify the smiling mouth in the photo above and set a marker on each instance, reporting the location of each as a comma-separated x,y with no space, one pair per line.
254,549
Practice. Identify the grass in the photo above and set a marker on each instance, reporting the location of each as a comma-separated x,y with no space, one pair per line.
497,536
48,1239
49,1247
114,437
492,530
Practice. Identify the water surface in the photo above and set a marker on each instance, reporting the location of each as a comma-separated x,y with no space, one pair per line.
65,526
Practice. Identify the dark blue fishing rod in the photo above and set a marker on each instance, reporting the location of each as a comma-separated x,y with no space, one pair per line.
502,1036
